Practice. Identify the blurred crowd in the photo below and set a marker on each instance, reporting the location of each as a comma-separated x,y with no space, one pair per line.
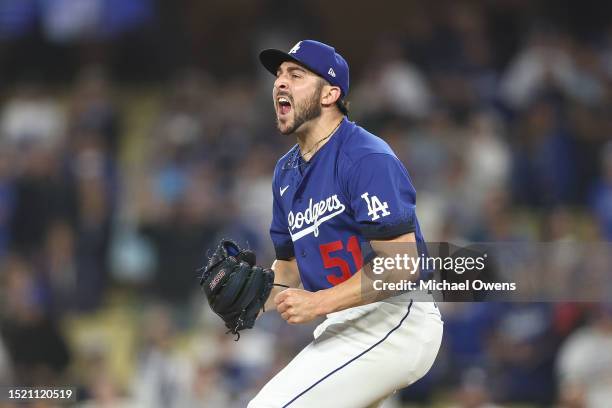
110,196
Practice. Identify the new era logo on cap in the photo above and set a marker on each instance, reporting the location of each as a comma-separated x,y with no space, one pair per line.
295,48
318,57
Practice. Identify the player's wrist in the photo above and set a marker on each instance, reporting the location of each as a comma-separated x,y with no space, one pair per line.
325,303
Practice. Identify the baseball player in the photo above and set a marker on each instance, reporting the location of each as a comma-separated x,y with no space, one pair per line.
338,188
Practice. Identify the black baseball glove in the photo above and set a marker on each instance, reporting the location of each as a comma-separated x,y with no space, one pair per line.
235,287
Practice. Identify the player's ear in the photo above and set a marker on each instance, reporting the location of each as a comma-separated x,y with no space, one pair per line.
330,95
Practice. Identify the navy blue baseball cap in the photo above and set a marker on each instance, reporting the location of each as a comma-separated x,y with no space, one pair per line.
316,56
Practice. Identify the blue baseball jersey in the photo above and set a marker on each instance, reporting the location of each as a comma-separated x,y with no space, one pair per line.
352,191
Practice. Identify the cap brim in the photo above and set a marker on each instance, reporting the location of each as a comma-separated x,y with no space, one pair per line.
271,59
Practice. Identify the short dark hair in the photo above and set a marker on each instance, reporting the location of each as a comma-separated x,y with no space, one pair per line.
341,104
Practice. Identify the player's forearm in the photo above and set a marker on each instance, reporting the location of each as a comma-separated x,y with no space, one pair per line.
360,289
348,294
285,273
356,291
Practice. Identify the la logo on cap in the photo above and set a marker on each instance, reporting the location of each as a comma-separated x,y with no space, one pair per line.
331,72
295,48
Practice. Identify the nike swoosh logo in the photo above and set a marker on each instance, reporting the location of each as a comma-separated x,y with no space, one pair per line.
283,189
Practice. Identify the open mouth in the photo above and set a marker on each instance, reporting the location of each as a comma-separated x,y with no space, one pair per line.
284,106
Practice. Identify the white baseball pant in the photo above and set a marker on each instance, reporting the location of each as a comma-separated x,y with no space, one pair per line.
358,357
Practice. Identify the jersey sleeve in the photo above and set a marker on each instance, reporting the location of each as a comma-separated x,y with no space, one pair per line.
279,230
382,197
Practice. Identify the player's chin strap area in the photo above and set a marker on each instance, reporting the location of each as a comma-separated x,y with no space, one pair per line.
240,320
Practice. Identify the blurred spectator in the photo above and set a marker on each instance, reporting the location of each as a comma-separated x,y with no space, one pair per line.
584,364
43,193
185,126
392,86
104,393
5,365
205,388
7,198
523,352
495,223
36,346
468,328
488,158
97,387
474,391
429,148
32,118
601,196
94,174
254,198
544,62
92,110
160,374
60,267
544,158
180,239
79,20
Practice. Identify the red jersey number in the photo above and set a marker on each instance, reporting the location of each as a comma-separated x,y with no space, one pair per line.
330,261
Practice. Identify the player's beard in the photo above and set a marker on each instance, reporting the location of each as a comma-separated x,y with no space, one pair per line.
303,112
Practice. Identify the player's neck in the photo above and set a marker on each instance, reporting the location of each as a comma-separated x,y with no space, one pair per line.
317,133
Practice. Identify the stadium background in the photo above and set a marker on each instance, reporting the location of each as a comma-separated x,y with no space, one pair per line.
135,133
